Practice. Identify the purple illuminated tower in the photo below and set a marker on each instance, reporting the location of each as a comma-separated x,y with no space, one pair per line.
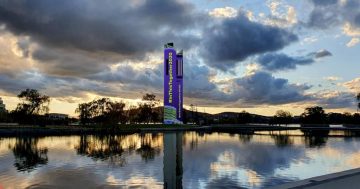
173,85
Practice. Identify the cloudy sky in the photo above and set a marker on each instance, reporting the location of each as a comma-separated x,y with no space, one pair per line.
254,55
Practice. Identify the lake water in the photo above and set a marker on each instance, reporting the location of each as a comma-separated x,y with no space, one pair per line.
182,160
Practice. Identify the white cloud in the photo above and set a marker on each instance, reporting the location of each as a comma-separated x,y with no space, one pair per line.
225,12
291,15
354,41
334,99
353,85
281,15
13,53
251,69
351,30
332,78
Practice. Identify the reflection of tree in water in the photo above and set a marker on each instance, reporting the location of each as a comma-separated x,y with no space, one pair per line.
111,147
282,139
132,147
146,150
194,141
245,138
28,155
315,138
102,147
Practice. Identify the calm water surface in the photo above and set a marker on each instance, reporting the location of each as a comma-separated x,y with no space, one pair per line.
187,160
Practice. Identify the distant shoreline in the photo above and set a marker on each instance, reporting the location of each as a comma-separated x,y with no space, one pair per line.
25,130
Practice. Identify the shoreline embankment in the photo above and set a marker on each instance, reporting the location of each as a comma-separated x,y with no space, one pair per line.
29,130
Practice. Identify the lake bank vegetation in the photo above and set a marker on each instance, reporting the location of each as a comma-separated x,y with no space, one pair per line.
34,108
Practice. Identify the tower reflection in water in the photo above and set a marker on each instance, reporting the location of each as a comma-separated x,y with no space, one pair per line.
173,169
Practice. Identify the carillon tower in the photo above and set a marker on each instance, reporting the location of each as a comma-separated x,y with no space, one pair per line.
173,85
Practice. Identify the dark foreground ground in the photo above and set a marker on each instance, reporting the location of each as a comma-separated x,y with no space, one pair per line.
21,130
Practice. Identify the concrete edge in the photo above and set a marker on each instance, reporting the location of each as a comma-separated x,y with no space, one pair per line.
314,181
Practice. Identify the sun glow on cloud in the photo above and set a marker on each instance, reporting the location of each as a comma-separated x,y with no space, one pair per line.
226,12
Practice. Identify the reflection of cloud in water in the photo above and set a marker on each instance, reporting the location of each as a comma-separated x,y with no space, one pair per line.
250,162
261,158
217,159
134,182
223,182
79,178
253,178
87,172
353,160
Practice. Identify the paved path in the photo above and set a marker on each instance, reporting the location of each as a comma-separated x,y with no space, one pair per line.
344,180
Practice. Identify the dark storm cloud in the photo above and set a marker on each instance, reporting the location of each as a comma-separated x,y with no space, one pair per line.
235,39
52,86
329,13
357,20
275,62
280,61
336,100
11,84
324,3
133,78
263,88
92,25
61,62
323,17
321,53
197,82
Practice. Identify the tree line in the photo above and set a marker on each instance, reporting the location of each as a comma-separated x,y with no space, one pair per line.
105,111
315,115
34,106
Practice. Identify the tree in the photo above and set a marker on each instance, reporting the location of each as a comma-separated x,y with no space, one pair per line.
282,117
102,111
194,114
151,100
33,103
4,116
132,114
146,109
115,113
356,118
84,110
338,118
315,115
244,117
